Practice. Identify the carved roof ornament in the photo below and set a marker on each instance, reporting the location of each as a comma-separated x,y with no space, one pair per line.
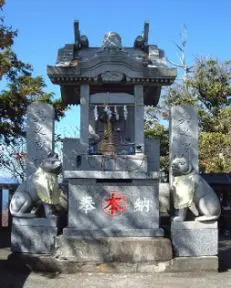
112,76
112,40
112,67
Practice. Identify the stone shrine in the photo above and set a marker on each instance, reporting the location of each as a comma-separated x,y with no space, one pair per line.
111,173
112,170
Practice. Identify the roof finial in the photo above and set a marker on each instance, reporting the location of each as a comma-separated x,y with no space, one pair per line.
77,33
146,31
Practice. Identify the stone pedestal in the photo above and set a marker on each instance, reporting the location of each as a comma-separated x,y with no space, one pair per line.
194,238
33,235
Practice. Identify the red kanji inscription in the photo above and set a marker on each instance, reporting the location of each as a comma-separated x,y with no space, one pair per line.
116,204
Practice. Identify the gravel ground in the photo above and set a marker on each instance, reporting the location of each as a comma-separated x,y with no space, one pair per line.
90,280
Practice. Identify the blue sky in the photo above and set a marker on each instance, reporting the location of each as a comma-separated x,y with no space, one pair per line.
46,25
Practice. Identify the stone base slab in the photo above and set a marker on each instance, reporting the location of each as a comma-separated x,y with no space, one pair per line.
194,238
41,263
33,235
114,249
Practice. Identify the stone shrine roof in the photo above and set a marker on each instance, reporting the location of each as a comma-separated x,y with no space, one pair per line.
111,68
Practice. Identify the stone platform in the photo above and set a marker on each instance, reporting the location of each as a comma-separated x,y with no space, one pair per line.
114,249
112,255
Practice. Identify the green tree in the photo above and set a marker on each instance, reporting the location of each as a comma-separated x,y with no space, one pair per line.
211,84
212,87
208,87
215,148
20,90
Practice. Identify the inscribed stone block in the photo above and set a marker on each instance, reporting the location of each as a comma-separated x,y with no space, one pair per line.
40,134
184,134
135,212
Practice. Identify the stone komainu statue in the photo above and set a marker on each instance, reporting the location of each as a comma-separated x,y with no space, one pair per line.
41,186
191,191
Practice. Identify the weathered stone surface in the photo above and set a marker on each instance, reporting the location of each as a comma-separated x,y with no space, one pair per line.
114,249
193,264
194,238
40,134
33,235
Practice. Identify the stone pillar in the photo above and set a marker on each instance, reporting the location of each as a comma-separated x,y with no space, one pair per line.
84,114
184,135
139,118
40,134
